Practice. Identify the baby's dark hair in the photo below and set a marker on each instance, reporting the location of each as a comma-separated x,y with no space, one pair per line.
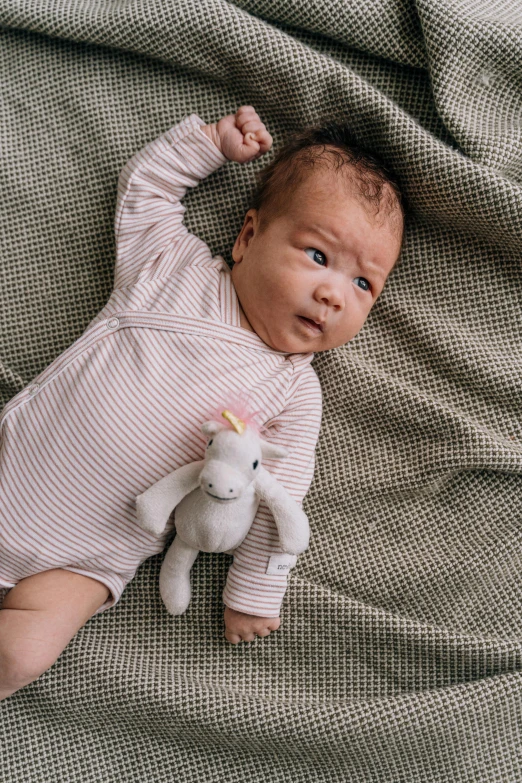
331,144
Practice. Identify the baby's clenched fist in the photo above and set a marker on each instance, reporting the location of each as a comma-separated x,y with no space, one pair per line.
241,137
241,627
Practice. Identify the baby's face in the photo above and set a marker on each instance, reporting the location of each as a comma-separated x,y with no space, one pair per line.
325,259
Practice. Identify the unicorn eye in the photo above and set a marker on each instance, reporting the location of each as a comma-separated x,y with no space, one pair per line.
210,443
255,464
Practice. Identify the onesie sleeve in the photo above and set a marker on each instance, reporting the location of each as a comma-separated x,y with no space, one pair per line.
255,584
151,240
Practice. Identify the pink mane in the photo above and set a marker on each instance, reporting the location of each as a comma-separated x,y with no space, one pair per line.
238,405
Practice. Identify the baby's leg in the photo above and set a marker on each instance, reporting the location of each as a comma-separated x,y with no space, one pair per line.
38,619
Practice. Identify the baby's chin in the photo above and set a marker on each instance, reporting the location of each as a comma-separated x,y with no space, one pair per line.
292,343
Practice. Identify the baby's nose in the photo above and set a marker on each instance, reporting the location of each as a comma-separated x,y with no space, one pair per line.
333,298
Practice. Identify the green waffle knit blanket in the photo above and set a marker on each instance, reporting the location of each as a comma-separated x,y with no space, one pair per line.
399,655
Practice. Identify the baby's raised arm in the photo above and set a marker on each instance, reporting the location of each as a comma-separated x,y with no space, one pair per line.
151,239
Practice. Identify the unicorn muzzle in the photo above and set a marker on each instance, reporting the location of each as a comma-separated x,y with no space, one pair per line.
221,482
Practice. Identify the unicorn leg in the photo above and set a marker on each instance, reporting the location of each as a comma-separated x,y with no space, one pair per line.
174,581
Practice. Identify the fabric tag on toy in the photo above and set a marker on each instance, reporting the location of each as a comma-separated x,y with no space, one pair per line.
281,564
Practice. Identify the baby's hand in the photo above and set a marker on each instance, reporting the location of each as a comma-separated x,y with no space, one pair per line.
241,627
241,136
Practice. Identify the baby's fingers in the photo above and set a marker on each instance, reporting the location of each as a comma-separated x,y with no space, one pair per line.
235,638
246,114
262,138
253,124
232,637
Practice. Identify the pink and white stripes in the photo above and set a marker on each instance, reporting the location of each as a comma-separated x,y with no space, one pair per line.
123,405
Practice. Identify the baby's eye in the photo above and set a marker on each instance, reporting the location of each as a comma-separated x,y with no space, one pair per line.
366,285
316,255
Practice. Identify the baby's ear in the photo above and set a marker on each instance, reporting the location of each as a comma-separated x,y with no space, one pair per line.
244,236
271,451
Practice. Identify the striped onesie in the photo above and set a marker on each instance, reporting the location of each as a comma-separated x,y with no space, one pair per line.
122,407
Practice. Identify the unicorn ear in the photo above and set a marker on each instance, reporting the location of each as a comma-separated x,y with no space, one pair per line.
271,451
212,427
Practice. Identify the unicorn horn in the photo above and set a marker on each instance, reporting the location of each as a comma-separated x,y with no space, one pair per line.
237,424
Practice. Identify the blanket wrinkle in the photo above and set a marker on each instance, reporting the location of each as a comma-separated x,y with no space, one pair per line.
399,39
491,67
219,53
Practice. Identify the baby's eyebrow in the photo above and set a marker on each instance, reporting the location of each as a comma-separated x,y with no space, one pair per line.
330,237
335,241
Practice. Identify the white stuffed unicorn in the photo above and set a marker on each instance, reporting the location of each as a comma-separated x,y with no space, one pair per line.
216,500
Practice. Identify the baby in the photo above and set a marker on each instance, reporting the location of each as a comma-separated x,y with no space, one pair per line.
181,335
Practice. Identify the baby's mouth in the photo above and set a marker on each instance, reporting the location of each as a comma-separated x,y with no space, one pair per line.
317,328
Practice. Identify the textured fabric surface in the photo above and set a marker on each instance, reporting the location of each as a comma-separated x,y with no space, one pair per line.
399,655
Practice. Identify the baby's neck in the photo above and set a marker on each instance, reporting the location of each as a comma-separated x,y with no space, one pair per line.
244,321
